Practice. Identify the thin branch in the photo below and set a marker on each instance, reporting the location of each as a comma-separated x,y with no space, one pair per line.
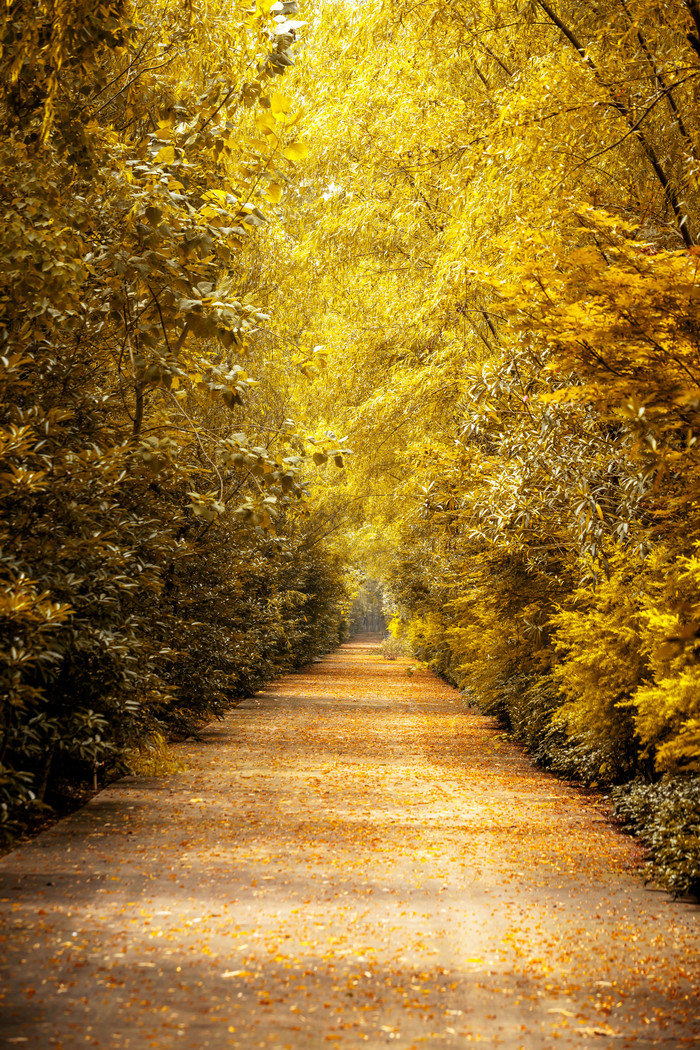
625,113
119,75
199,442
160,314
502,64
148,69
659,77
586,345
632,130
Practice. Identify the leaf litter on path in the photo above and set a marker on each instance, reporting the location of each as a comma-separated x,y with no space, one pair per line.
350,859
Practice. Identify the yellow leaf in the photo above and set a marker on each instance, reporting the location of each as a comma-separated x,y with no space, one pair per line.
274,193
166,155
258,144
297,151
265,123
280,106
215,196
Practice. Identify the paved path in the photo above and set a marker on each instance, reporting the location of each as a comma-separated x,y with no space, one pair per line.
350,860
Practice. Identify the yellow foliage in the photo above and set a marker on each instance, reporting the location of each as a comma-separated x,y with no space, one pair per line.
667,708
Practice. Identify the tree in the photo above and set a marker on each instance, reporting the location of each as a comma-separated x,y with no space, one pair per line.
142,478
497,234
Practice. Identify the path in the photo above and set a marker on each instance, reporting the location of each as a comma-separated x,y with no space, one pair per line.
351,860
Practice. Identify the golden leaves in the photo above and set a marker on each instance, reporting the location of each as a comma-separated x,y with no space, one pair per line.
296,151
280,107
165,155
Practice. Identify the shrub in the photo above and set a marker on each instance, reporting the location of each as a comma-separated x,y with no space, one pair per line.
666,817
391,648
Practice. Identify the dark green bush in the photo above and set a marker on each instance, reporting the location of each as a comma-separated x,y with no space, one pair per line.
666,817
154,561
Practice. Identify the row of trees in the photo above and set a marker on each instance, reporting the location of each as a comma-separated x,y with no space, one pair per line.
162,552
479,262
506,285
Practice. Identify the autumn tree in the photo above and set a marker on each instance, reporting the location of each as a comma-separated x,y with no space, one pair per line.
498,237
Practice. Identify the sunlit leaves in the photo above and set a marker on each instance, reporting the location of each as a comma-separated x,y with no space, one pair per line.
280,107
296,152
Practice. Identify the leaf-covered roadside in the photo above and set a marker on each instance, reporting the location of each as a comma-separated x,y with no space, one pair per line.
160,555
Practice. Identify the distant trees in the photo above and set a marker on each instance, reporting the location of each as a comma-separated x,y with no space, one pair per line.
366,611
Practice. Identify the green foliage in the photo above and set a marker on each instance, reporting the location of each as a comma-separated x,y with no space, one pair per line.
156,561
666,817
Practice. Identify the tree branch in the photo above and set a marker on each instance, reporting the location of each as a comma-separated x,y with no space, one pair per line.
625,113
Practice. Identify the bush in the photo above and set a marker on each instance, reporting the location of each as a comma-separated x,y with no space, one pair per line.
601,662
666,817
153,758
391,648
154,563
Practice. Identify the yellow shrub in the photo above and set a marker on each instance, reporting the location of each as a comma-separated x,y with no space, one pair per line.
629,663
667,708
154,758
601,663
